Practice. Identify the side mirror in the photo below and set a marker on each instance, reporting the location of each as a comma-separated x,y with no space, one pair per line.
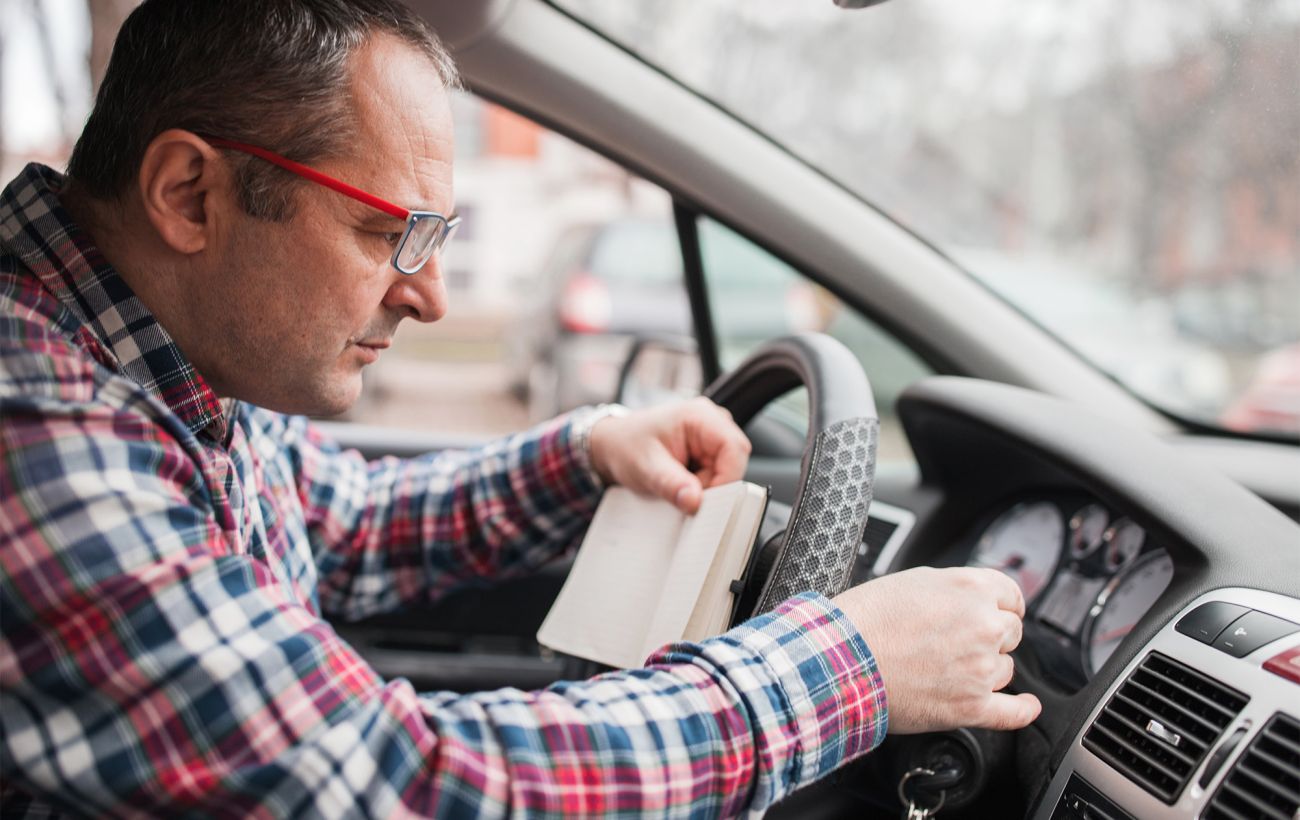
658,370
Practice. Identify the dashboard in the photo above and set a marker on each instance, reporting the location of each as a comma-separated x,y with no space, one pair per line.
1088,573
1162,627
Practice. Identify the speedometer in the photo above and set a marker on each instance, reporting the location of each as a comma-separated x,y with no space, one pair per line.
1123,602
1025,542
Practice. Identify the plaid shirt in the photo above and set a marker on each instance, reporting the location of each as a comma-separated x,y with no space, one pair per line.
166,564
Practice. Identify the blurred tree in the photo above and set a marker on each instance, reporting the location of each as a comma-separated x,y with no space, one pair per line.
50,66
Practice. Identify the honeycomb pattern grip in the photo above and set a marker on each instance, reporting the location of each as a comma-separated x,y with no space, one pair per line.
827,523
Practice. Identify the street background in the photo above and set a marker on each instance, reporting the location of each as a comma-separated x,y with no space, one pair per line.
1126,176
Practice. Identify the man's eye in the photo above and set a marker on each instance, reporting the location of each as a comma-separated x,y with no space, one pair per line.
391,238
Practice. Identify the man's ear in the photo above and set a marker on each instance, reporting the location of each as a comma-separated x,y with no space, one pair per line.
182,182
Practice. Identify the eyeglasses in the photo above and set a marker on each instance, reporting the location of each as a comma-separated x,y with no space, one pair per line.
425,234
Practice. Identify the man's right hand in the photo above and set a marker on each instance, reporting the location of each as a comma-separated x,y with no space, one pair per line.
940,638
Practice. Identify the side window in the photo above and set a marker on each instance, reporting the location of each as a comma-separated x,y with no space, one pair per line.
754,296
562,258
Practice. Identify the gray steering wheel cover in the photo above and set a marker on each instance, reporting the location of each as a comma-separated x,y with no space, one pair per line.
837,471
830,514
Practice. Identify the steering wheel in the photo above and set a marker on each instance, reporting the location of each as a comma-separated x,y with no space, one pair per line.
816,550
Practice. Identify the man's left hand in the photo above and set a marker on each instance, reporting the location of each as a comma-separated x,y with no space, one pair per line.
673,451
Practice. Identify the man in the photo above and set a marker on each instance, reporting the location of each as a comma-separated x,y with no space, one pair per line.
170,541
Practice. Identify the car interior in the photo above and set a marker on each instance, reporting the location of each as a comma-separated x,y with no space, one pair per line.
1160,557
1138,537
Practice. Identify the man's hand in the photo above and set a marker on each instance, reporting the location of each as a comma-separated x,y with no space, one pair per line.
940,638
650,450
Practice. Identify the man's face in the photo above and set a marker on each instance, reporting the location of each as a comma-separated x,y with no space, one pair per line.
303,305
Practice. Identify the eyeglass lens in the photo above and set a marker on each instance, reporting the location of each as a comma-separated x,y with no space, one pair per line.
422,241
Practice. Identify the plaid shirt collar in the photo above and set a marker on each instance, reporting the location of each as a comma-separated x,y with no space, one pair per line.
36,229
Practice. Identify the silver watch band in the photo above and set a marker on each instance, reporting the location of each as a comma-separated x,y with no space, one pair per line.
582,427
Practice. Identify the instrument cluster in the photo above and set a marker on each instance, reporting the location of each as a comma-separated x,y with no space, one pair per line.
1087,572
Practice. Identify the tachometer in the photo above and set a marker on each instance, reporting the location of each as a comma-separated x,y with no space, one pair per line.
1123,543
1025,542
1086,529
1123,602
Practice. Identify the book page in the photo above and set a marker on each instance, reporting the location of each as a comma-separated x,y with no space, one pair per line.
697,546
613,590
713,612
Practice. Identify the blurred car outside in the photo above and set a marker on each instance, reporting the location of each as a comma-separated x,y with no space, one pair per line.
1271,400
605,285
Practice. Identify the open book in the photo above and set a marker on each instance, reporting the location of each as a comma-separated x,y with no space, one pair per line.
647,574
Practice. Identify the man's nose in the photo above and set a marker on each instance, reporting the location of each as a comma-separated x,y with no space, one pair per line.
421,295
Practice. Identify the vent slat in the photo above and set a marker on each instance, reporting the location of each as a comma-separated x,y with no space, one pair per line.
1215,708
1265,780
1217,812
1263,809
1136,777
1277,763
1194,706
1207,688
1142,753
1287,746
1204,727
1141,732
1169,723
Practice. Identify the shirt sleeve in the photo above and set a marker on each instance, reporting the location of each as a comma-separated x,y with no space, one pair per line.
393,532
147,668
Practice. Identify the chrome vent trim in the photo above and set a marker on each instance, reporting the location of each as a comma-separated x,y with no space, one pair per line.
1158,727
1264,783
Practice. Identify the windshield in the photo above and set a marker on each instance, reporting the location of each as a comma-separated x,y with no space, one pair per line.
1125,173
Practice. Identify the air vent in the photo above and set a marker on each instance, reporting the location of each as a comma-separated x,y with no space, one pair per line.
1265,780
1160,724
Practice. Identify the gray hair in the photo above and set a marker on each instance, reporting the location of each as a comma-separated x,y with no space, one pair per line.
271,73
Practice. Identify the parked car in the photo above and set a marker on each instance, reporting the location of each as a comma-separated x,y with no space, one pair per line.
605,285
1271,400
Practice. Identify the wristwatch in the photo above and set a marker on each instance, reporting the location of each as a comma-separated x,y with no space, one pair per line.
582,427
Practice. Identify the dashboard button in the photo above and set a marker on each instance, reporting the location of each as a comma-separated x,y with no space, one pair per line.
1251,631
1206,621
1286,664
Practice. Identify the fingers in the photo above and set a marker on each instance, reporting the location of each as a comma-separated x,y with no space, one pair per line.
1005,670
673,482
728,465
1003,711
1009,596
717,445
688,498
973,634
1013,630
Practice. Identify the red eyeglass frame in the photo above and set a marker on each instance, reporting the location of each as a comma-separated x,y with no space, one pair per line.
412,218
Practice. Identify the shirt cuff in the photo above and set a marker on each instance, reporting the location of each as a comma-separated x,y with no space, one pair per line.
828,704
